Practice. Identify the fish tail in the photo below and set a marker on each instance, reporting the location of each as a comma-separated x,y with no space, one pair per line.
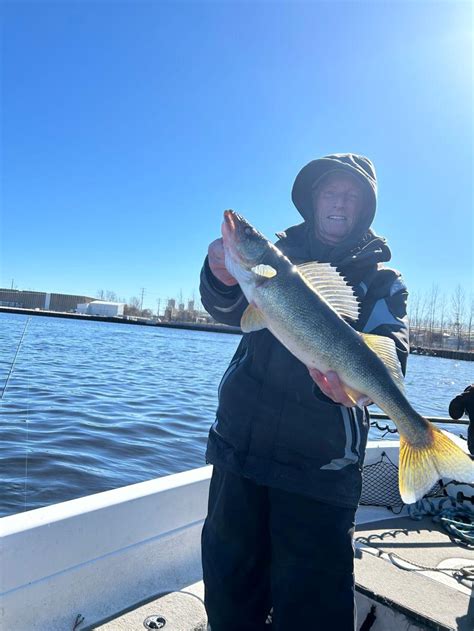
420,467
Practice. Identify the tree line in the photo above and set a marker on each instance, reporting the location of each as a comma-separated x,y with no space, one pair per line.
442,320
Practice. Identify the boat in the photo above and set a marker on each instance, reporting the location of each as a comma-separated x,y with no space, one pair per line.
129,558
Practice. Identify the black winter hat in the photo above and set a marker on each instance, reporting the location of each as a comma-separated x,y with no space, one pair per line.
359,166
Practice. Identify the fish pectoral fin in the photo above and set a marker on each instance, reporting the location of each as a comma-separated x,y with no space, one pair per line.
328,283
266,271
252,320
421,467
358,398
385,348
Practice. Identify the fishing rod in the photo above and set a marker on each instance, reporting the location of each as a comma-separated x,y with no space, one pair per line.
10,372
433,419
14,359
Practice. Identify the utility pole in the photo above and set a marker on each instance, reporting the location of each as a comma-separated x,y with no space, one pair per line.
158,307
141,303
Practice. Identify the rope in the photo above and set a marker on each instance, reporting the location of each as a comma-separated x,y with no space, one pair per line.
456,518
384,428
77,623
465,573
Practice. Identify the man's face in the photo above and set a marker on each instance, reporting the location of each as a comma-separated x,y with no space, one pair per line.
337,206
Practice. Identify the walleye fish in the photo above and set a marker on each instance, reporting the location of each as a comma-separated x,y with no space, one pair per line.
306,308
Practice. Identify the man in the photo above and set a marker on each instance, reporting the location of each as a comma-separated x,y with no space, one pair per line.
287,447
464,404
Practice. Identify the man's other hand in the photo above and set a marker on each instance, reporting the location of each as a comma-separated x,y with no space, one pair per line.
216,259
330,385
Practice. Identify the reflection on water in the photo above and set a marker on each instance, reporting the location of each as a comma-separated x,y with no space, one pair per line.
92,406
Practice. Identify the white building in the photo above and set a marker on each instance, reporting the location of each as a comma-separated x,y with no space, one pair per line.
101,308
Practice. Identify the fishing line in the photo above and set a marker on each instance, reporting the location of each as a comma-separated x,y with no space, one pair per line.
27,435
14,359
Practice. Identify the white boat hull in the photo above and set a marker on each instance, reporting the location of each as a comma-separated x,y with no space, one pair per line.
97,555
88,559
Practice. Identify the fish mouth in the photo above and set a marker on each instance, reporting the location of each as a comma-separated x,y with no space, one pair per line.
233,225
242,242
233,219
228,226
229,222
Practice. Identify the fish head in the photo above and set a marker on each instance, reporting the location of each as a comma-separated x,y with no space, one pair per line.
243,243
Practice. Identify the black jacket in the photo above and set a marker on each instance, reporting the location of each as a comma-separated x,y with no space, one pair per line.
273,424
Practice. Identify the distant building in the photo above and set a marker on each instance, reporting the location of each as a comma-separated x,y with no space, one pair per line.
101,308
41,300
181,314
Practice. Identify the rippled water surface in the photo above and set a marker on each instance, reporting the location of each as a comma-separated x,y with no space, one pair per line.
91,406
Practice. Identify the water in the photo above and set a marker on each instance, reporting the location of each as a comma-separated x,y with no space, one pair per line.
92,406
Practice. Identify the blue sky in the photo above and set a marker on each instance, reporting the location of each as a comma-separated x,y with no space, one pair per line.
127,128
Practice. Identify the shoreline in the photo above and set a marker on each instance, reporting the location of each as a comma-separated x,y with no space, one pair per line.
192,326
213,328
445,353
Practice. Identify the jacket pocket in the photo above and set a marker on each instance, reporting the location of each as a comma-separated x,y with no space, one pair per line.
322,437
238,401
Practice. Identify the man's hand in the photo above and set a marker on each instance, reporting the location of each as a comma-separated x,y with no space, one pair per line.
217,263
330,385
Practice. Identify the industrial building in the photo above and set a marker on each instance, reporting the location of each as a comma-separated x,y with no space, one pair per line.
180,314
41,300
101,308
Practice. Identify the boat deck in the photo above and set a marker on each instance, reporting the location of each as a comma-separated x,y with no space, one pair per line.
412,569
391,551
180,611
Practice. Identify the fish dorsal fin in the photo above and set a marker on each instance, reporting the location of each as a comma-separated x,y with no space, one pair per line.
267,271
327,281
385,348
252,320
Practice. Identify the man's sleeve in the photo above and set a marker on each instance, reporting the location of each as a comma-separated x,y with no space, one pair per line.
387,314
225,304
